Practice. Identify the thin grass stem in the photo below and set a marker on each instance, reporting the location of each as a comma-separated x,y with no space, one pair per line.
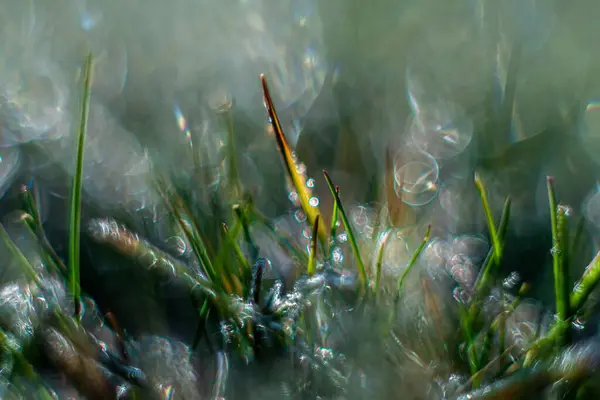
75,213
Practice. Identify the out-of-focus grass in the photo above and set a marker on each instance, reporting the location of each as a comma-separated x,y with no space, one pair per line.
75,208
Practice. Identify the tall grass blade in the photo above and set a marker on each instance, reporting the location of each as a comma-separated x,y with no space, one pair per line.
362,273
312,259
297,179
558,222
75,213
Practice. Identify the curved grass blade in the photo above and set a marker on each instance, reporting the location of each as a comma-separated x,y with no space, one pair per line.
297,179
313,248
412,262
75,214
361,267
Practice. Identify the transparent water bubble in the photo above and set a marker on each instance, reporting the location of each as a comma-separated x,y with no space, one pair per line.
33,100
285,42
416,177
442,130
459,199
463,271
445,67
435,255
475,247
400,246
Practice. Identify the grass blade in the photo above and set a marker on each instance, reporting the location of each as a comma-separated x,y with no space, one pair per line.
496,242
313,248
297,179
75,214
586,285
484,277
361,267
379,262
558,222
412,262
334,217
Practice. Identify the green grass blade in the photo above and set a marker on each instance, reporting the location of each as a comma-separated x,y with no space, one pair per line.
312,259
586,285
334,217
483,280
361,267
75,214
412,262
378,264
242,215
558,222
230,238
496,242
297,179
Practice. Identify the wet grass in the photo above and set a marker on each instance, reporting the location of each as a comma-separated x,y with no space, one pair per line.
255,316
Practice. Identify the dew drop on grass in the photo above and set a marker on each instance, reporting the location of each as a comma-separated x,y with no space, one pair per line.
337,255
512,280
314,201
177,245
310,182
342,237
300,216
578,323
461,295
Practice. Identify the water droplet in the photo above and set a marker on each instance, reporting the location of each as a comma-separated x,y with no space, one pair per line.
314,201
565,209
511,280
300,216
342,237
301,168
293,197
310,182
555,251
578,323
461,295
177,245
337,255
